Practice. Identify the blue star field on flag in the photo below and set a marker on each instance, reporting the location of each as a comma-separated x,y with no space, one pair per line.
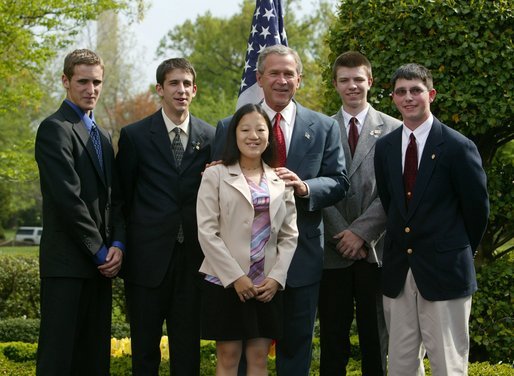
267,29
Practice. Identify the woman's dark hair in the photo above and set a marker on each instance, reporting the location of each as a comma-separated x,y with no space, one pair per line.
231,152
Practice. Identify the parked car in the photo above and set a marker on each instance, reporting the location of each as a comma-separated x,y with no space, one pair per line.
31,235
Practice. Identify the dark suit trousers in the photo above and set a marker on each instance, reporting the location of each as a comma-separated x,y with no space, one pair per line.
177,301
340,290
75,332
294,350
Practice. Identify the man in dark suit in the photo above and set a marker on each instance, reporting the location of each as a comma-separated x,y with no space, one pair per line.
160,162
354,229
315,168
433,188
81,219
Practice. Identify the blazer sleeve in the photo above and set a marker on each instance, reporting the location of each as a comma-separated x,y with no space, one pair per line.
220,139
331,183
219,258
287,240
471,183
370,225
126,168
381,174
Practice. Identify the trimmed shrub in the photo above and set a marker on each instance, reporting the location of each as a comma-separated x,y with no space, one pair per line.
492,313
120,330
22,330
20,352
19,287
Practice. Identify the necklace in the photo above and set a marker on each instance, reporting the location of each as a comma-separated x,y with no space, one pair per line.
251,168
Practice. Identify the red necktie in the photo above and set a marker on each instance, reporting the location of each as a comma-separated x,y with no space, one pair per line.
411,167
353,136
281,141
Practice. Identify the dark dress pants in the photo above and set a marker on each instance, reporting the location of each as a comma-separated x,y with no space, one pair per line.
75,331
294,350
340,290
177,301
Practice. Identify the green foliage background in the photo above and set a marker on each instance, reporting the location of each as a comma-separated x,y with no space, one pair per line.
469,47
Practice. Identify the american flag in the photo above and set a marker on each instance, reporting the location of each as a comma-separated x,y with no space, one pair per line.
267,29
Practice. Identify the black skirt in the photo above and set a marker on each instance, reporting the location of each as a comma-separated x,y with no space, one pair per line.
226,318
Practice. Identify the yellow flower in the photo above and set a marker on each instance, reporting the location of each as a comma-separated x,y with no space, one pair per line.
165,350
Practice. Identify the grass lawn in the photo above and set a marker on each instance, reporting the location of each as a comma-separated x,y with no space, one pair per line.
19,251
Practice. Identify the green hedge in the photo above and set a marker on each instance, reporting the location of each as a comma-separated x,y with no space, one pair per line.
27,330
491,323
22,330
18,359
19,287
492,313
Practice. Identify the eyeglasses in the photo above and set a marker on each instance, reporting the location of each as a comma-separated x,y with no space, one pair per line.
414,91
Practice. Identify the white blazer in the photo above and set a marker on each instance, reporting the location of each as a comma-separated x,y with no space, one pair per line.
225,216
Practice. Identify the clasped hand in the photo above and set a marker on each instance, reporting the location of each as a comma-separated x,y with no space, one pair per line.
350,245
112,265
264,292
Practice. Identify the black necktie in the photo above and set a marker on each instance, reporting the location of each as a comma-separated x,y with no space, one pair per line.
353,136
410,169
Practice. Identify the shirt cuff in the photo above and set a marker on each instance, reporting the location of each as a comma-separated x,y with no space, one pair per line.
119,245
101,255
308,195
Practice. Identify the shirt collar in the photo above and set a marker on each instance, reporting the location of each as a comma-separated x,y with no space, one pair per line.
361,116
421,132
287,113
170,125
87,120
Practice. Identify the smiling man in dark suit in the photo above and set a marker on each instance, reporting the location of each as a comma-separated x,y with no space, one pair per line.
433,188
315,168
160,161
81,219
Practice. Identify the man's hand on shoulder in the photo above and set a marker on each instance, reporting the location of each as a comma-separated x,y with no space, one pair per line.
292,180
213,163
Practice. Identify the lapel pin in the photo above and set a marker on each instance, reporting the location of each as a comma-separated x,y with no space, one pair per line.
307,135
375,133
433,156
196,145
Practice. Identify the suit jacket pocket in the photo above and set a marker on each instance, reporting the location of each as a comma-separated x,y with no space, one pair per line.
455,269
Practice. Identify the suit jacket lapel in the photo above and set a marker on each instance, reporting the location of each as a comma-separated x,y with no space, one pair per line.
275,187
81,131
106,150
370,129
238,181
431,152
301,139
344,139
394,158
161,139
196,142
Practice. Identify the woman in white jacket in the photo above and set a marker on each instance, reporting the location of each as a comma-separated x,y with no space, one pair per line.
247,230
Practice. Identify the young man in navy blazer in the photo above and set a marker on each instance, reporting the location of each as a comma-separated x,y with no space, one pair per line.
160,162
433,188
